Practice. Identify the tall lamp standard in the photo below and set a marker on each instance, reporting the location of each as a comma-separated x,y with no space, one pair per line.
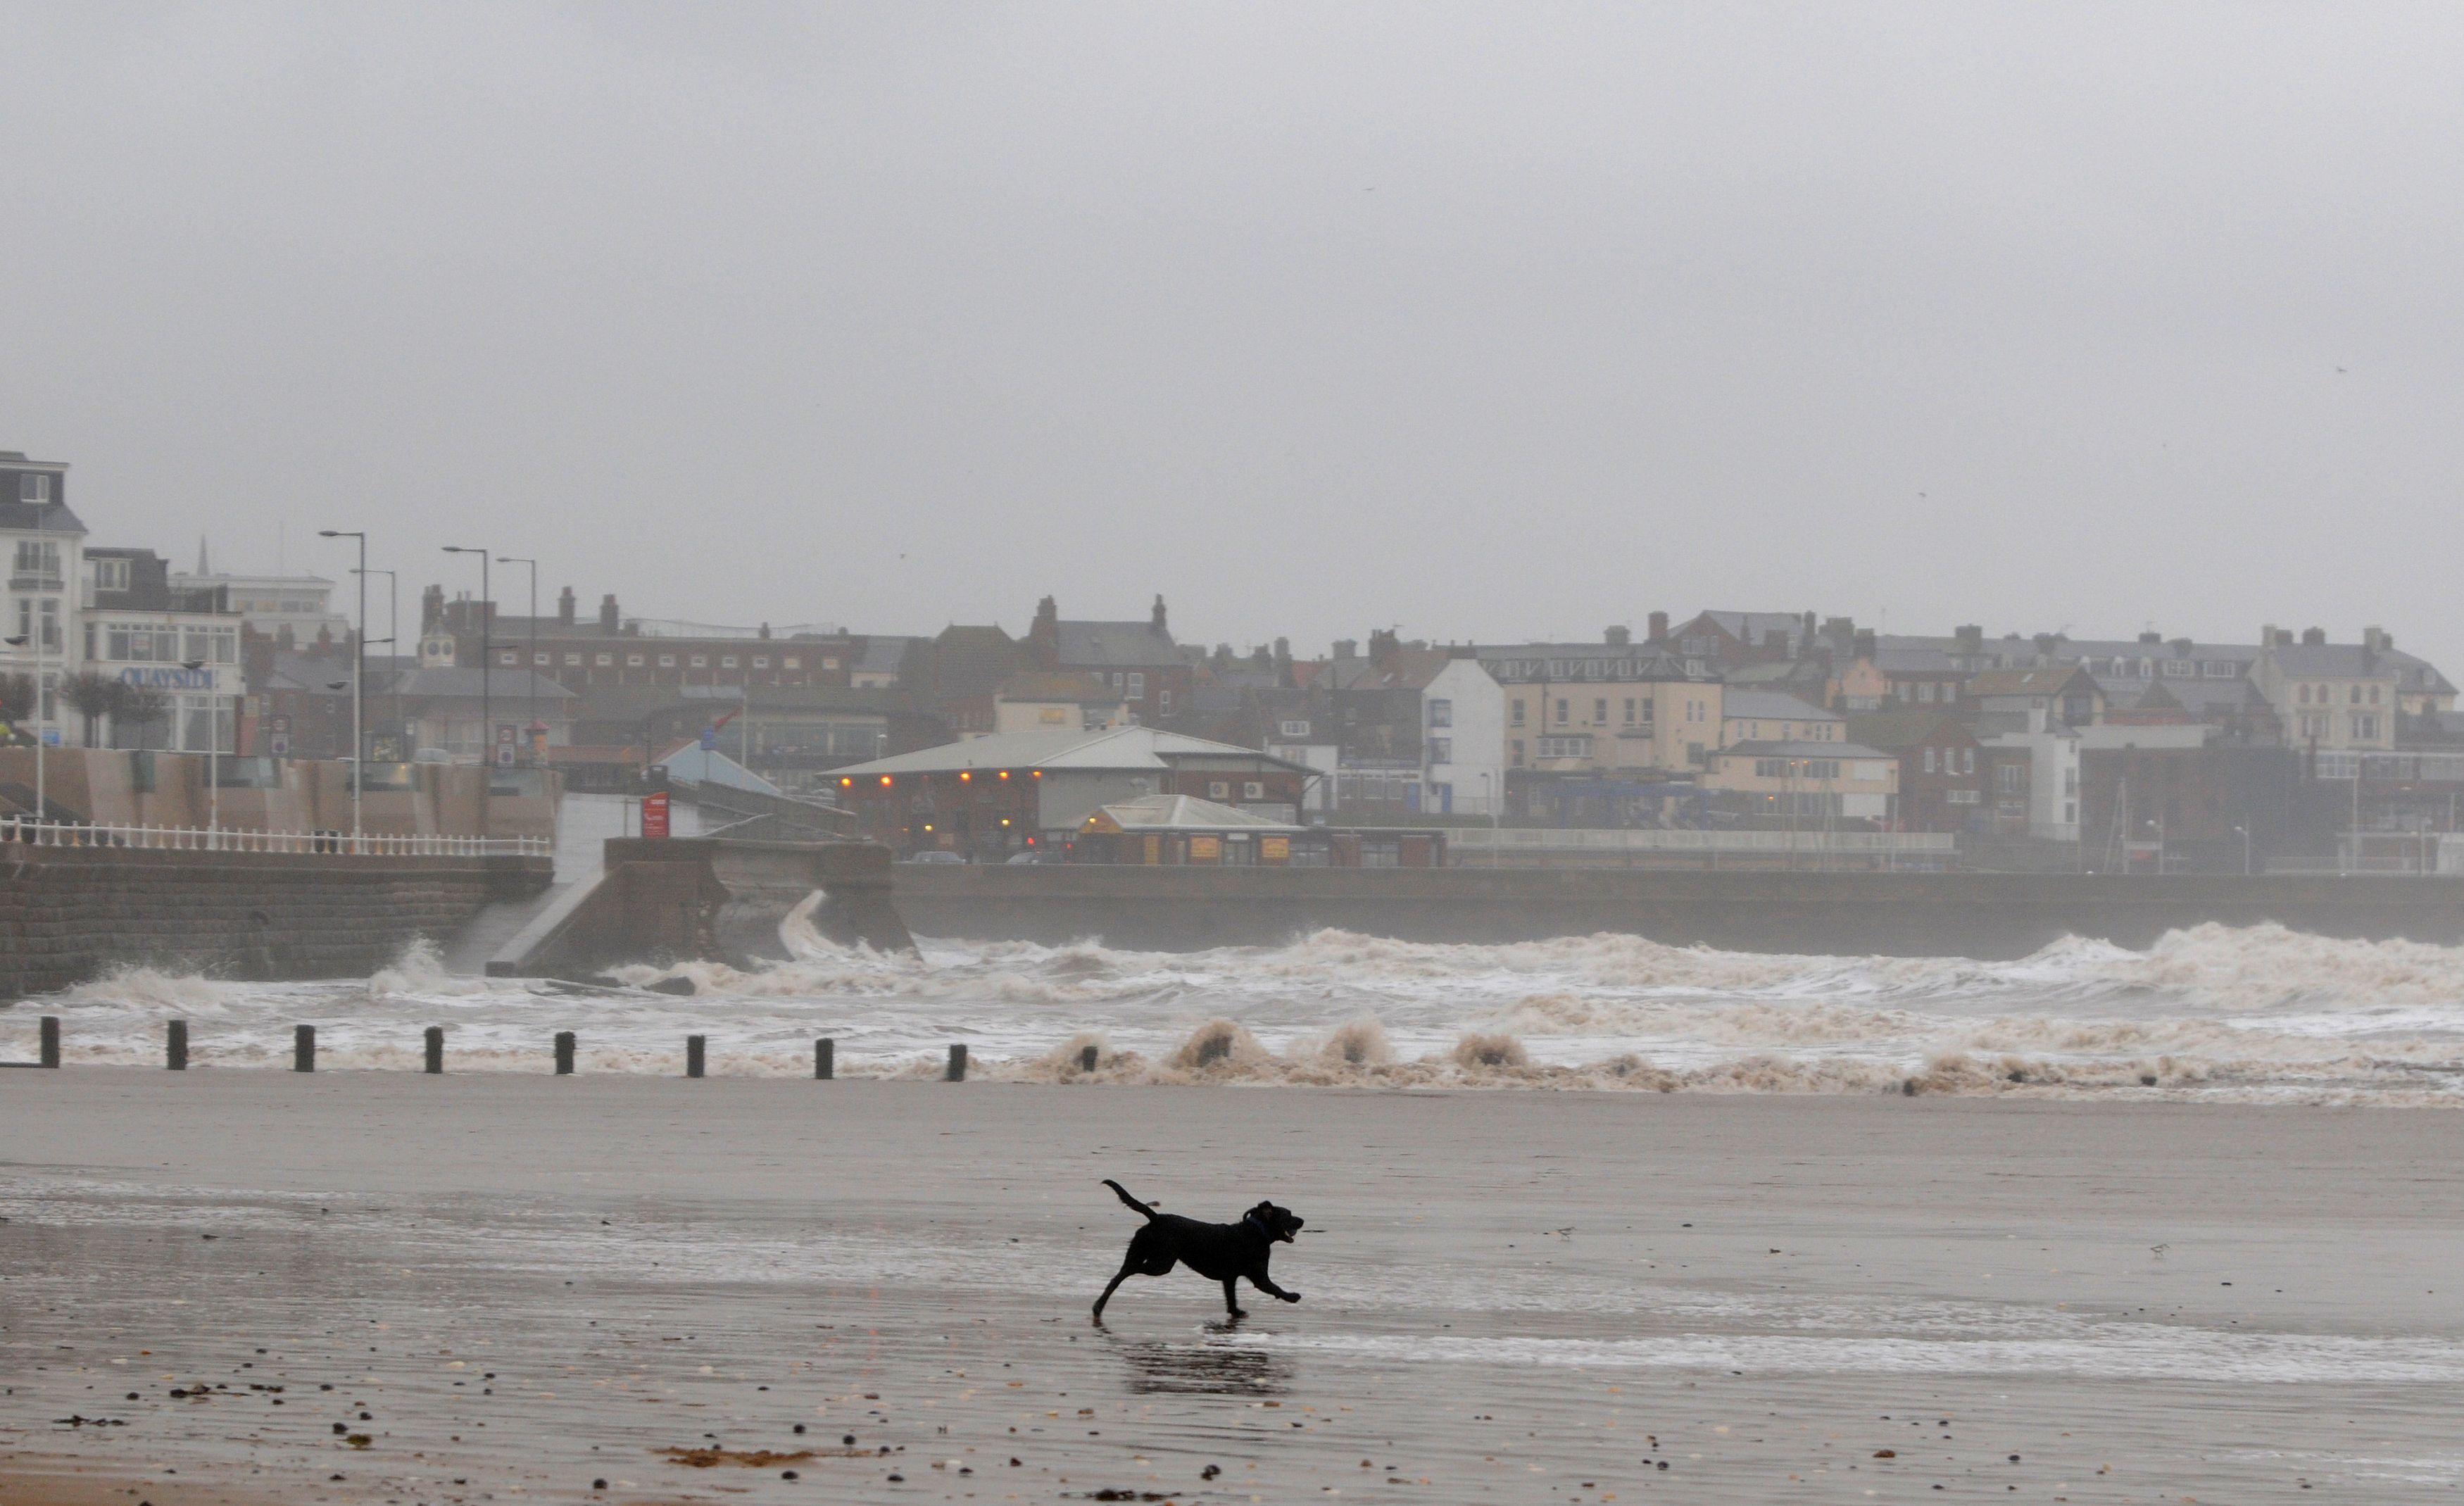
42,808
2245,849
213,752
40,628
358,686
487,696
393,644
530,685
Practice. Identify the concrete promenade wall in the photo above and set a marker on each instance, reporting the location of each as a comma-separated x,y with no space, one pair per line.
312,795
68,914
1990,915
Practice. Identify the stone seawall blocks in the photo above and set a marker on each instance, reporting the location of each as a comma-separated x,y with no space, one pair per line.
68,915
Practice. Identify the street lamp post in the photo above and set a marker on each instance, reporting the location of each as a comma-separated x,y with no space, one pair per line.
35,637
530,685
394,645
358,687
2245,849
487,698
213,746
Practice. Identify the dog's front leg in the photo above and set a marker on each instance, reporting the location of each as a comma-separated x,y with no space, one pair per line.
1266,1283
1232,1303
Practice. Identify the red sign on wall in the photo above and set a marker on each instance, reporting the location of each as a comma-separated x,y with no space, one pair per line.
654,813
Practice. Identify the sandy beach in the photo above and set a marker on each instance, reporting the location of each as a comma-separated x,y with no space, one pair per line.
238,1286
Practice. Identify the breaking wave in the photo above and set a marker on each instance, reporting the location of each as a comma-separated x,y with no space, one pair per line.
2213,1011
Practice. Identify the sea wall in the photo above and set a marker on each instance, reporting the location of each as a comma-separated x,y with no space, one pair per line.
1995,916
68,914
129,787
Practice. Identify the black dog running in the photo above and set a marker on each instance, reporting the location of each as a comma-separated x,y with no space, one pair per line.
1225,1253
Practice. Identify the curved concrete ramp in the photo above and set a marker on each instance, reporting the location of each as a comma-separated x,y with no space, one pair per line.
673,899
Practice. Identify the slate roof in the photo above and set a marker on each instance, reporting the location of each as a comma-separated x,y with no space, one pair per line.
1800,750
1187,814
884,654
1405,669
1061,748
1894,730
2050,680
1901,660
2334,661
1770,705
27,516
1749,626
1083,690
1117,645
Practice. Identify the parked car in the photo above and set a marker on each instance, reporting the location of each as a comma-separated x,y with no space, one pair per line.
936,856
1035,856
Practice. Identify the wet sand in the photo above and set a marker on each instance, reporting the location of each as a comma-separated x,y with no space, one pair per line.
380,1287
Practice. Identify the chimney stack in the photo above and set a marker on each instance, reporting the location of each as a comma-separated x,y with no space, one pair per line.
1866,643
1159,624
2314,637
565,608
609,619
1659,627
1616,637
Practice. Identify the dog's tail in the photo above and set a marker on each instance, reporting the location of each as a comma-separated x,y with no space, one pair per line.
1130,1201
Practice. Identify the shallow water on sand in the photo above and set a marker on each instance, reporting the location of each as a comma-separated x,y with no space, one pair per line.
2254,1013
1854,1298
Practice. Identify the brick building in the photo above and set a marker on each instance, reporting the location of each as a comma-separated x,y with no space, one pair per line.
1943,771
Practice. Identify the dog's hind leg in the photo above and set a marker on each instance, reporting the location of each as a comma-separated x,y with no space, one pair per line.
1119,1276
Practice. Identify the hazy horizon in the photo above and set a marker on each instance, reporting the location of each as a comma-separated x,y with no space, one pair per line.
1489,323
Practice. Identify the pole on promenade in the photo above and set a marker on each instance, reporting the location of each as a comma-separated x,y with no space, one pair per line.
957,1071
564,1053
175,1046
303,1048
825,1059
51,1047
434,1040
694,1054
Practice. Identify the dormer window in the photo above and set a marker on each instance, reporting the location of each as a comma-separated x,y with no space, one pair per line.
111,575
33,486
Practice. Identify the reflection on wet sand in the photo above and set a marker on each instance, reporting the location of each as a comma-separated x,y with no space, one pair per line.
1204,1369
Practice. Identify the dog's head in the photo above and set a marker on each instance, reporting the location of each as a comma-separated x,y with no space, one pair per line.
1278,1223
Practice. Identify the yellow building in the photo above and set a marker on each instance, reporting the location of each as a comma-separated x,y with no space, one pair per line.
1608,707
1807,780
1767,715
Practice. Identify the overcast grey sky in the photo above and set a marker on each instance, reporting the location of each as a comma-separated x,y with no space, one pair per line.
1488,321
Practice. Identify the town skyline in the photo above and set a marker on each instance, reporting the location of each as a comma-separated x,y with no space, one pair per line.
902,321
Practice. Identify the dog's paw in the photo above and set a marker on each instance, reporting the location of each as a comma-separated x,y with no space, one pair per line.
1289,1297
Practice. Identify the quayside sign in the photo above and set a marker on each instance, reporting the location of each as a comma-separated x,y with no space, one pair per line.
171,679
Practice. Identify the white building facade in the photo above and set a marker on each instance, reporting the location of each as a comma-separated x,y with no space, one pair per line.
44,544
1463,742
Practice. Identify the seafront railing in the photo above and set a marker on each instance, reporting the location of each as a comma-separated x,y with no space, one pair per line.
1658,839
229,839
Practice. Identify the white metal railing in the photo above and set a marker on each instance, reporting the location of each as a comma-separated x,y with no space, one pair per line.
228,839
1654,839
